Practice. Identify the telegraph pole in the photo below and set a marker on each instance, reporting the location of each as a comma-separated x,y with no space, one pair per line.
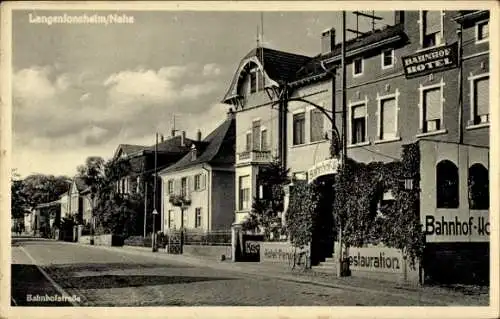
155,212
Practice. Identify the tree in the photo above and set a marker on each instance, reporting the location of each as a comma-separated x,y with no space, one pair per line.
301,214
93,174
39,188
267,209
19,201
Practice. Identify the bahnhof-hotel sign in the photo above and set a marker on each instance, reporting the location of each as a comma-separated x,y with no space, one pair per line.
326,167
433,60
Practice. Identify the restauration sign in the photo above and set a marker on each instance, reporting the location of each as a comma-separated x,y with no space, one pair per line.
326,167
433,60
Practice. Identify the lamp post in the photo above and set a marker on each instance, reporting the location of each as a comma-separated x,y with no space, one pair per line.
155,212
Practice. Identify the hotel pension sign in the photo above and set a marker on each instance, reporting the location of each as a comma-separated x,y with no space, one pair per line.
431,61
326,167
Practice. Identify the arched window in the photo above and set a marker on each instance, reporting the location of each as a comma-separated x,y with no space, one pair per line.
446,185
479,192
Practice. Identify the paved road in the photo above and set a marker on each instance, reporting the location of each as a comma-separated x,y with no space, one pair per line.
98,277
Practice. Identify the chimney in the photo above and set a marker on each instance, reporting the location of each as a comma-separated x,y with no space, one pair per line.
183,138
173,133
198,135
399,17
327,40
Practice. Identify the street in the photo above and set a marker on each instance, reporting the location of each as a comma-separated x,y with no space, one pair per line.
93,276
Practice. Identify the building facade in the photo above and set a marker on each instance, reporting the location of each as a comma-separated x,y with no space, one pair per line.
204,180
424,79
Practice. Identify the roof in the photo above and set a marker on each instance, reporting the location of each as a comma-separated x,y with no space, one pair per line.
218,148
467,17
129,149
280,66
80,184
172,145
314,67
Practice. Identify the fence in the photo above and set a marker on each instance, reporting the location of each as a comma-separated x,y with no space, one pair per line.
209,238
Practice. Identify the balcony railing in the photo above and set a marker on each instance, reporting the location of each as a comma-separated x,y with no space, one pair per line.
254,157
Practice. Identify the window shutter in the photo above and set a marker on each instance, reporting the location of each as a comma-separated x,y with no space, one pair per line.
249,142
190,184
203,181
177,186
263,140
316,125
256,135
482,99
432,104
432,22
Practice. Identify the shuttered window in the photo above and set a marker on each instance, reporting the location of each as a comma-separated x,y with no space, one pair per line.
481,100
248,142
317,123
263,140
256,135
483,31
244,192
431,28
388,118
432,109
197,218
299,128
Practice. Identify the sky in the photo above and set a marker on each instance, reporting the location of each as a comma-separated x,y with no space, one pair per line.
80,90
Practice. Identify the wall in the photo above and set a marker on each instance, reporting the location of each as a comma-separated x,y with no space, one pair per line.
198,199
214,252
277,252
223,199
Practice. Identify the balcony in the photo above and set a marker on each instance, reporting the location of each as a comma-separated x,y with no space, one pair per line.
257,157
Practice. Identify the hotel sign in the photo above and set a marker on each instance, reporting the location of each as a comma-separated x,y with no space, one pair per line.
327,167
431,61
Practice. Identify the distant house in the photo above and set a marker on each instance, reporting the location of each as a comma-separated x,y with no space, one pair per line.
204,177
142,161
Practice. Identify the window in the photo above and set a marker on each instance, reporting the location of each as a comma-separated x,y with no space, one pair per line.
431,28
170,186
197,218
194,154
263,140
244,192
480,96
256,135
387,58
482,31
197,182
446,185
358,124
171,219
253,80
479,193
184,189
299,122
357,66
387,118
317,123
248,142
431,108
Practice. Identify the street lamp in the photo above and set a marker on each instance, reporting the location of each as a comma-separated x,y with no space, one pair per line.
155,212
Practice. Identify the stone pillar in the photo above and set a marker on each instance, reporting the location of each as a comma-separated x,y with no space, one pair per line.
79,233
235,234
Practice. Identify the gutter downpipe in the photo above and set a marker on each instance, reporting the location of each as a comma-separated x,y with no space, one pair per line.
208,195
460,88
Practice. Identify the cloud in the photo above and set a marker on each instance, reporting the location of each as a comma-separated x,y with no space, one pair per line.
211,69
75,112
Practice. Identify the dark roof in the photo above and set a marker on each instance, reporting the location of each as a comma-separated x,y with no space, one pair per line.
218,148
130,148
280,66
314,68
467,17
172,145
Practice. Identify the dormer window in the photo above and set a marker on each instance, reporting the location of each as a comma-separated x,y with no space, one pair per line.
253,80
194,153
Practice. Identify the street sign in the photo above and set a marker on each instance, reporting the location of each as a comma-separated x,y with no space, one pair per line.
155,212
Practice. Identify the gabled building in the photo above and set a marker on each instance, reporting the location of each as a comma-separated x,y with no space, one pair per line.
142,161
424,80
204,177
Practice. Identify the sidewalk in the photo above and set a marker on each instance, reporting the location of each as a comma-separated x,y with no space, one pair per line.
473,296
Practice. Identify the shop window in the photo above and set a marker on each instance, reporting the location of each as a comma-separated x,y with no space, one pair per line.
358,124
317,123
244,192
299,128
387,118
431,28
479,192
480,100
482,31
357,66
432,104
447,190
387,58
